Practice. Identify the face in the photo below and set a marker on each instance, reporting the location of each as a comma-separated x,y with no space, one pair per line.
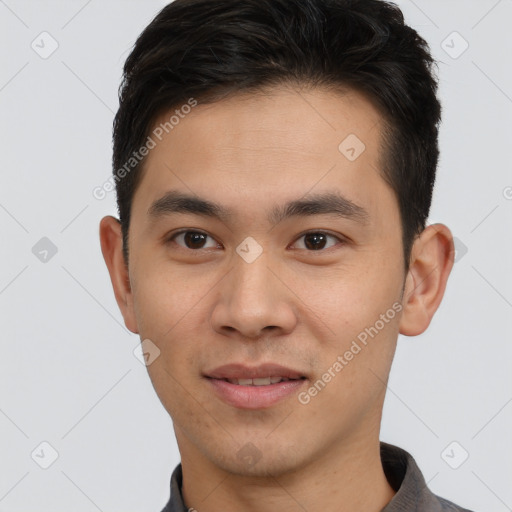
292,269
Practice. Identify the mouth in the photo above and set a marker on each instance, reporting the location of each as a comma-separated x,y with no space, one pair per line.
263,381
258,387
262,372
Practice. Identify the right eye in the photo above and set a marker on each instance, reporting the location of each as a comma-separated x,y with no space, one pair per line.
193,240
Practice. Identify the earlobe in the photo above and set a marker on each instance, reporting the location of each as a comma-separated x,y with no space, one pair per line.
431,263
112,249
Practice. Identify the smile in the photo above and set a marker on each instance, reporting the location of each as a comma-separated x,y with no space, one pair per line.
264,381
254,387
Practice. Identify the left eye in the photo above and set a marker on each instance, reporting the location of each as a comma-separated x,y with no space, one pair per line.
317,240
193,239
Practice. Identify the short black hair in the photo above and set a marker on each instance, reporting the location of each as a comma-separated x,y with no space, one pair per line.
210,49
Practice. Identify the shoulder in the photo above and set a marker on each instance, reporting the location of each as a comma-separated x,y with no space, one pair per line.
448,506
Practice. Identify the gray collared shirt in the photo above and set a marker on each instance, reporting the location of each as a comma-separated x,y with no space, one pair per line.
401,470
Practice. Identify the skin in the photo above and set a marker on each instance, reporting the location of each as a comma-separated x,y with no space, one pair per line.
294,306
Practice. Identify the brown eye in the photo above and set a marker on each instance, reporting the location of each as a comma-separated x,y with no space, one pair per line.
193,240
317,240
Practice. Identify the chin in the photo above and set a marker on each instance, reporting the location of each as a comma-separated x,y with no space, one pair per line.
251,461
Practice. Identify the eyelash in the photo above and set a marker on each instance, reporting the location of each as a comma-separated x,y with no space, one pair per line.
302,235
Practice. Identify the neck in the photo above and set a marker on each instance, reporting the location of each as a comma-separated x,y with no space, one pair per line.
342,480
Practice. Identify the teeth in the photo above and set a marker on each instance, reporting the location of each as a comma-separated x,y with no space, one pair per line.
261,382
264,381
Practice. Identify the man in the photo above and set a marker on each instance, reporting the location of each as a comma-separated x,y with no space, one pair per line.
274,163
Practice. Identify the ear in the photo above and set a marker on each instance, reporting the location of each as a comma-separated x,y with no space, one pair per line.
112,248
432,258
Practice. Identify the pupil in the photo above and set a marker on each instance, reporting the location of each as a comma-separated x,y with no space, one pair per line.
318,241
193,239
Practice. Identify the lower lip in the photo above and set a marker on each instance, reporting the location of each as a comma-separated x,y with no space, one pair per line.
255,397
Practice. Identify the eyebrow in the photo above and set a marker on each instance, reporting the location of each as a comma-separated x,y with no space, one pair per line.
329,203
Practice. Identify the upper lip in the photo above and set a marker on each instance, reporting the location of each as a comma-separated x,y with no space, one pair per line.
240,371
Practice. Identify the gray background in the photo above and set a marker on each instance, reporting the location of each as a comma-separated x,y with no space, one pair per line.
68,374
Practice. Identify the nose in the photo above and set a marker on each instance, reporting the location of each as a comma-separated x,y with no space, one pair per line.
253,302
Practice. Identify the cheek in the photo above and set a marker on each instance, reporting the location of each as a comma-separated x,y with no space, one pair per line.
355,298
362,311
170,310
175,392
170,317
351,376
165,297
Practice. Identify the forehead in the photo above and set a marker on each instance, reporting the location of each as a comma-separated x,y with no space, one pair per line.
279,143
304,122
